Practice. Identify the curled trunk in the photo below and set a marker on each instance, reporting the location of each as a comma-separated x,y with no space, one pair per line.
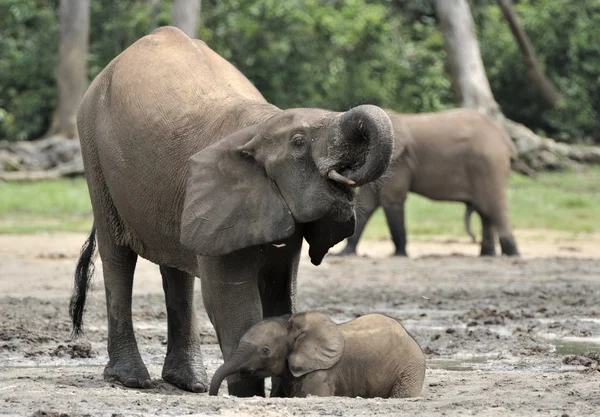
230,367
362,152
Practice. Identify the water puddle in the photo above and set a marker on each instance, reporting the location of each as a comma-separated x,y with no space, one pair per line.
454,364
576,345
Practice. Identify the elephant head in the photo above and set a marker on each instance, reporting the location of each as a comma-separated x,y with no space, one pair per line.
303,343
299,167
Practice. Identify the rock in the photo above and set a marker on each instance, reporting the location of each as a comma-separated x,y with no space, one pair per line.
524,139
585,154
47,158
8,162
549,160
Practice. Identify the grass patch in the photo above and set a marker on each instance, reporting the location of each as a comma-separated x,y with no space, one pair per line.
565,201
45,206
568,201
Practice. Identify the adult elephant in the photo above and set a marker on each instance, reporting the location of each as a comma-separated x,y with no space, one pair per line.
189,167
454,155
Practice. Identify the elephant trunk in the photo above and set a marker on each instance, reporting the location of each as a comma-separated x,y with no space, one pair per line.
364,149
230,367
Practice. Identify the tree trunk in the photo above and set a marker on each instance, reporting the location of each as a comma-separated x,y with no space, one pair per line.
155,8
185,14
473,90
534,72
464,61
72,64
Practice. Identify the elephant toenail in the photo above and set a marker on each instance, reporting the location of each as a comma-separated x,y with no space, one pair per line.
199,387
147,384
132,383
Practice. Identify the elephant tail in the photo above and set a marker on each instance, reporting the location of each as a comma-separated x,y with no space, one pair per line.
83,276
469,210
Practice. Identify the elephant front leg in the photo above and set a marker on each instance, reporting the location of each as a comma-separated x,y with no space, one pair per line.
278,287
317,383
394,215
183,364
367,202
233,306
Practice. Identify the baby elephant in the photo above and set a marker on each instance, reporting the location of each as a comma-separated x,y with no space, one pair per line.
371,356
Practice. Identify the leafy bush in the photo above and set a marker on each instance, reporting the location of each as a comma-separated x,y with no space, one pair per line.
326,53
332,54
28,51
567,43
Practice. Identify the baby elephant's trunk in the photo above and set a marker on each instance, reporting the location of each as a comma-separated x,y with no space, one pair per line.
230,367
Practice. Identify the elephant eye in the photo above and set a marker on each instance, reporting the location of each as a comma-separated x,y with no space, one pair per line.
265,351
298,140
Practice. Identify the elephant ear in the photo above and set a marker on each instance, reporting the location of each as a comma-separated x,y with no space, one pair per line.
318,345
230,202
325,233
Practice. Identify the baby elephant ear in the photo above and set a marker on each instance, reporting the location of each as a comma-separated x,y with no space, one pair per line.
230,203
319,344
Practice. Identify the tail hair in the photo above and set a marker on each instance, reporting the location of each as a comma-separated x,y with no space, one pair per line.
83,276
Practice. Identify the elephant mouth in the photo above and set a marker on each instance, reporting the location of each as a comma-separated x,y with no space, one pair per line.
255,373
245,373
342,190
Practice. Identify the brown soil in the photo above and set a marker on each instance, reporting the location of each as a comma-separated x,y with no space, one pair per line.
503,336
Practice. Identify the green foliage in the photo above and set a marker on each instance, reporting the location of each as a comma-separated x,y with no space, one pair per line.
28,45
331,54
567,43
326,53
554,201
564,201
114,25
45,206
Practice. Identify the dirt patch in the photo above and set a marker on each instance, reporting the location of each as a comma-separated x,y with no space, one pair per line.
590,360
503,336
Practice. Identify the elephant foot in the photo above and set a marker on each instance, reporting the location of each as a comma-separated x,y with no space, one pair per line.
509,247
185,371
246,387
132,374
401,253
488,249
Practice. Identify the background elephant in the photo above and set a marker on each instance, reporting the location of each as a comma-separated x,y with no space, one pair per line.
189,167
371,356
454,155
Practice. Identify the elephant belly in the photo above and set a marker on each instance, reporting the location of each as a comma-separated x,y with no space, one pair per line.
148,197
447,181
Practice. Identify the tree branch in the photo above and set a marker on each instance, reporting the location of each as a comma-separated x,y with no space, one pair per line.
534,72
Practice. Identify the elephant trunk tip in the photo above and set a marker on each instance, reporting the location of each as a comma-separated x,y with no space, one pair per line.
368,129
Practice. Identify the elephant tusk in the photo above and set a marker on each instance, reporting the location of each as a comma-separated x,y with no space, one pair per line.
336,176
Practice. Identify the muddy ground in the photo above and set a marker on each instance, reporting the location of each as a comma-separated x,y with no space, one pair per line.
503,336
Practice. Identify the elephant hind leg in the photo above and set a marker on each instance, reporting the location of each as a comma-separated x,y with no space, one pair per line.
183,366
410,382
508,243
501,221
125,364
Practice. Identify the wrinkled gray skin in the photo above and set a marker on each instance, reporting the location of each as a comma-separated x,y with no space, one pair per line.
371,356
189,167
455,155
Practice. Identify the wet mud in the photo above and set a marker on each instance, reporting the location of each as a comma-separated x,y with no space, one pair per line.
503,336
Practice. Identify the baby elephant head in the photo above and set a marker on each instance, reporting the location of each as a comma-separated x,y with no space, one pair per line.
305,342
